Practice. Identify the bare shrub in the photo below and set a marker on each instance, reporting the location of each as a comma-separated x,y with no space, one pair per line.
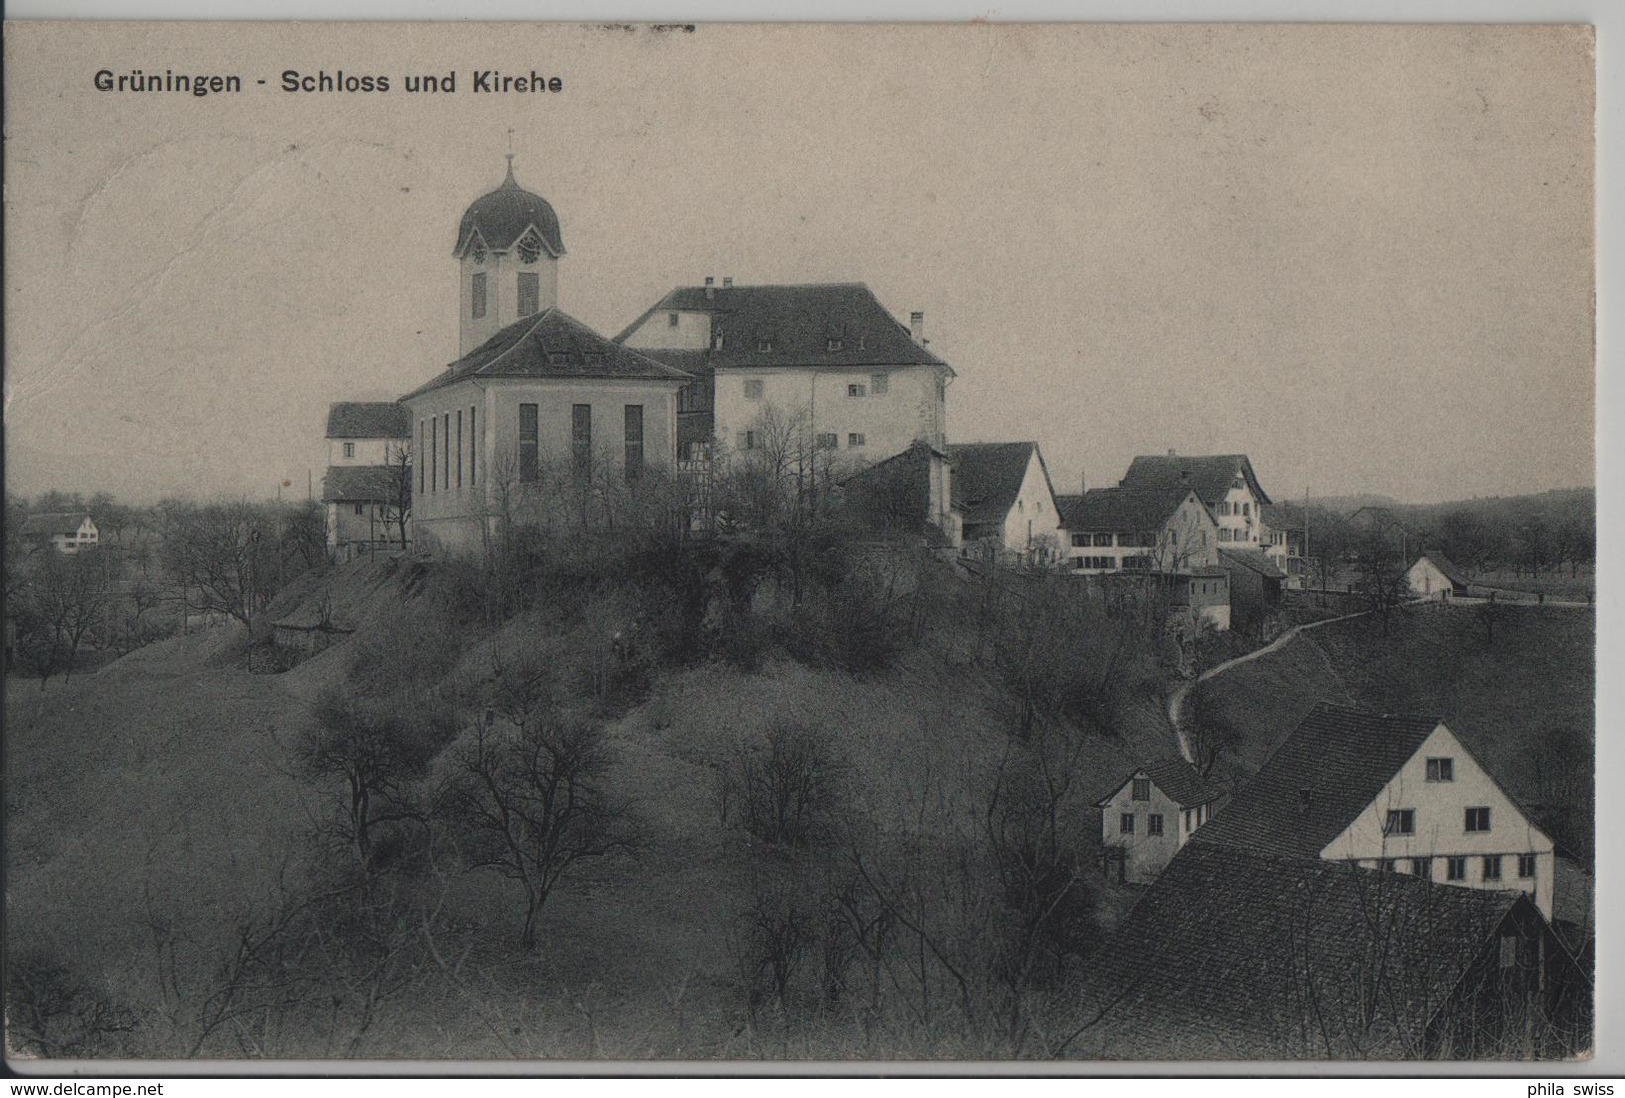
788,789
52,1013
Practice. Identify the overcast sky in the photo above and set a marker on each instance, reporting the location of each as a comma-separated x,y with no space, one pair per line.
1361,255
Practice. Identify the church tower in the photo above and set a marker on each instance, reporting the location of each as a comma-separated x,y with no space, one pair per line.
508,249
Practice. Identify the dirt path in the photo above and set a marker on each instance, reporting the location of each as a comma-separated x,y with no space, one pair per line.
1176,701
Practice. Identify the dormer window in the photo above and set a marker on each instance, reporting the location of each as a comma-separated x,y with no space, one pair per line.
834,344
530,248
764,344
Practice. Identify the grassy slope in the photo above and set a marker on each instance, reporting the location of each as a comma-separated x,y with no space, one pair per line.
161,775
1499,698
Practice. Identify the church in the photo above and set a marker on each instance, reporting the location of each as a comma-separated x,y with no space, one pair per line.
539,406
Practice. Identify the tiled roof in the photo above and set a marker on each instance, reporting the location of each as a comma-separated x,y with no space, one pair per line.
1124,510
1255,560
49,523
1318,781
1238,955
1210,476
987,477
551,344
1175,777
380,419
357,483
503,215
1444,564
799,322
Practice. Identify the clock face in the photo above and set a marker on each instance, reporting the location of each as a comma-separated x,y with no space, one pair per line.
530,248
479,252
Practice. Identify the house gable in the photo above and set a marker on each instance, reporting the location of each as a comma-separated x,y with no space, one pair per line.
1438,822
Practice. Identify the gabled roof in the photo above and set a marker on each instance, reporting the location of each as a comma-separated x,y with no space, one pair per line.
377,419
50,523
1126,510
987,477
1254,560
358,483
799,321
1444,564
1176,778
551,344
1318,781
1231,954
1210,476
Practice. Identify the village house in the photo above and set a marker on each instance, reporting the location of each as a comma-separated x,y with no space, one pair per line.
1398,794
1224,482
1433,576
1286,544
1149,815
1138,530
65,531
539,406
1237,953
1006,503
825,362
367,485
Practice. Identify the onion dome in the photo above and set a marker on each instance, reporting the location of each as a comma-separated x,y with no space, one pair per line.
502,217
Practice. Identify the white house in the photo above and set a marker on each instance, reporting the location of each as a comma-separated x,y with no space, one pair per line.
1433,576
540,409
1397,794
65,531
1005,501
1224,482
827,359
1149,815
1138,530
367,444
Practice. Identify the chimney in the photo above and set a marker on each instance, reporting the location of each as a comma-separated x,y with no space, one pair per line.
727,281
916,326
710,287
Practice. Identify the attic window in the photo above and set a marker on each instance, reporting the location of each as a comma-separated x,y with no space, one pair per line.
1401,821
530,248
672,320
1441,770
479,252
1142,789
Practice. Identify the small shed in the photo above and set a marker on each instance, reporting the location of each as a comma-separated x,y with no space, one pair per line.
1433,576
1255,586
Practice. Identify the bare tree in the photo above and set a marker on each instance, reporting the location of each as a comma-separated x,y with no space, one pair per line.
531,796
221,557
397,503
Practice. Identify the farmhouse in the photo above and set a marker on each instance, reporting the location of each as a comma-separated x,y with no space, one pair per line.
1006,502
1225,483
1237,953
1138,530
825,361
1433,576
540,411
368,481
1398,794
65,531
1149,816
